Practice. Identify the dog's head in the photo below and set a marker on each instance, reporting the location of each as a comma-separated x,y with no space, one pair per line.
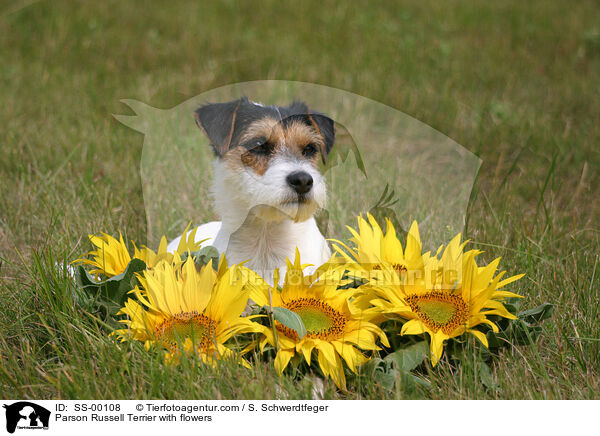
267,156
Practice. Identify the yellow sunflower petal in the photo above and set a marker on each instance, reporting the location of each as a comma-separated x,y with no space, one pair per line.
481,336
282,359
437,347
172,311
413,327
510,280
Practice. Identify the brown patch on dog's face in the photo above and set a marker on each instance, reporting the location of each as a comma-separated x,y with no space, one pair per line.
303,141
259,164
267,138
267,128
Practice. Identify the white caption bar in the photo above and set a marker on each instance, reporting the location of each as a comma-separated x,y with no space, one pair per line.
25,417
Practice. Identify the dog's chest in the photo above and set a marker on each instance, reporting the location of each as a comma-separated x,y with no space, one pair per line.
265,248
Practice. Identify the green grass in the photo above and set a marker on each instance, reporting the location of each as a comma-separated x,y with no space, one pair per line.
516,83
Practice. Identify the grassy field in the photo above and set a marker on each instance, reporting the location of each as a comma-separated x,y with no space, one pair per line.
514,82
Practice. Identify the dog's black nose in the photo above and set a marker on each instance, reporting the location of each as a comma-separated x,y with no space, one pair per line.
301,181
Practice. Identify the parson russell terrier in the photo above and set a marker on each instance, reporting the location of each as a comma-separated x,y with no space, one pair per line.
267,185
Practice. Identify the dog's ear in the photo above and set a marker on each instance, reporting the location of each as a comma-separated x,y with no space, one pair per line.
297,108
217,120
326,128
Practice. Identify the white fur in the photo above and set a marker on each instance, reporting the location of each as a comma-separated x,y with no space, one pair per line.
261,221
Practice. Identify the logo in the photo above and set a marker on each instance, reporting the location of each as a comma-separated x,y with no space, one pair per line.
26,415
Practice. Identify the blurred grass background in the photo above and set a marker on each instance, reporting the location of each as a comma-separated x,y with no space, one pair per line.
514,82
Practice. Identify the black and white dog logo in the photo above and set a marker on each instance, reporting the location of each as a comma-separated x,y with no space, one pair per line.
26,415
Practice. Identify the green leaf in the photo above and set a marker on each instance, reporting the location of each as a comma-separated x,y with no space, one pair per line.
84,280
494,340
537,314
204,256
522,333
418,380
110,293
289,319
407,359
395,368
518,332
409,382
82,293
387,379
486,377
117,287
511,307
371,366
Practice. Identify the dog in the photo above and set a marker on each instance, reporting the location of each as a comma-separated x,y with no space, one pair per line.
267,185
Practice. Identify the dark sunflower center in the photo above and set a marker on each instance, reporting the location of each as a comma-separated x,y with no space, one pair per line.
196,326
320,319
439,310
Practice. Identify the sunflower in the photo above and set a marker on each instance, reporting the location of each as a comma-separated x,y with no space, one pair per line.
374,254
184,310
111,256
451,297
334,325
375,250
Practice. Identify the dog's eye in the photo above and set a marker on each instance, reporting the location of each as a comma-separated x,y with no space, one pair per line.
309,150
259,146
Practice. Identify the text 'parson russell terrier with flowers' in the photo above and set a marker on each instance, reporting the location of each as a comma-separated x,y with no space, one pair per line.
267,184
